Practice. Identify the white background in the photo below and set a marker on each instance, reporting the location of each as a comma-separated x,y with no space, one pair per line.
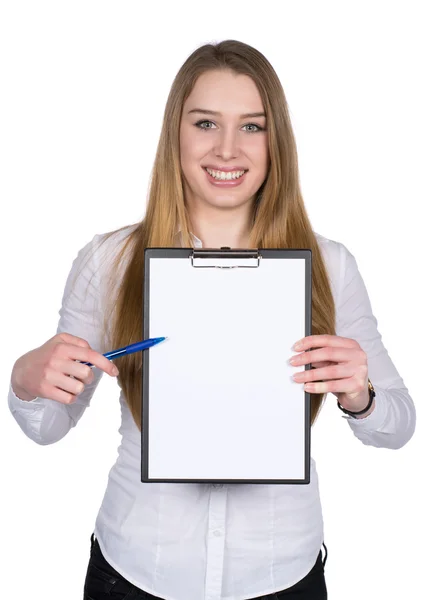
84,86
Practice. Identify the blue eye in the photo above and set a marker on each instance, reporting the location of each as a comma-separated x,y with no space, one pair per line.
203,124
256,128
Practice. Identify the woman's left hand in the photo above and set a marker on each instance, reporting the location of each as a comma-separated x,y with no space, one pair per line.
339,366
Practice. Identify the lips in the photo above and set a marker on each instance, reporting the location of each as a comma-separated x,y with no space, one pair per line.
223,178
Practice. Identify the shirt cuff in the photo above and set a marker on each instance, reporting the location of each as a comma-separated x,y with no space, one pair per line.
17,402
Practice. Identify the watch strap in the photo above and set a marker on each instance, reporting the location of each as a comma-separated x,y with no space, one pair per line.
360,412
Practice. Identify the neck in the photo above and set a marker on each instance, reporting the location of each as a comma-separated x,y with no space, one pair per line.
217,228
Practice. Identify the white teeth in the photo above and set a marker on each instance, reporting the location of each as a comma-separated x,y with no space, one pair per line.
225,176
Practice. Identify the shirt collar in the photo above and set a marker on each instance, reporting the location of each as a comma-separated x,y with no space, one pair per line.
196,241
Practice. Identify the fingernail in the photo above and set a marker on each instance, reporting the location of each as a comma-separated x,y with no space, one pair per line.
298,346
115,371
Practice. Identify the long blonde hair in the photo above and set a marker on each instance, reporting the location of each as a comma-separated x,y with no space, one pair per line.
279,220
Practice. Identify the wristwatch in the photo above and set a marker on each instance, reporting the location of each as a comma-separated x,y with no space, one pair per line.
360,412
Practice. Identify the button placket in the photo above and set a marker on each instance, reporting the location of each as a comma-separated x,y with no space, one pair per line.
215,542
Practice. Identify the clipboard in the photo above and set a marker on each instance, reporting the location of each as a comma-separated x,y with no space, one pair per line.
219,404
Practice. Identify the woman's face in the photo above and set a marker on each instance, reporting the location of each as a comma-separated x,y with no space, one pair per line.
223,141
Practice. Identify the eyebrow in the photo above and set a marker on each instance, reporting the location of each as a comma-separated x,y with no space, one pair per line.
218,114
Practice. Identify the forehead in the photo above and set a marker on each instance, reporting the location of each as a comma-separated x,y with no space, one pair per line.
226,92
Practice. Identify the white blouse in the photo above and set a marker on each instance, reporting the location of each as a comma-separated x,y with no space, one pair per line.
213,541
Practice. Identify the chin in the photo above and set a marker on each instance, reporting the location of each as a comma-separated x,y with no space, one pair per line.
227,200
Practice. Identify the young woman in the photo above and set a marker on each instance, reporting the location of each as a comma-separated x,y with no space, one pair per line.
225,174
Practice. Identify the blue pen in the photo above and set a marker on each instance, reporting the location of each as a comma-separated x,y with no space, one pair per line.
130,349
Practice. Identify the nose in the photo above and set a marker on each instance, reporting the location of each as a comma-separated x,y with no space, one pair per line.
227,146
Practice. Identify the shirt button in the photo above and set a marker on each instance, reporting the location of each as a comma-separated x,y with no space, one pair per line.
217,532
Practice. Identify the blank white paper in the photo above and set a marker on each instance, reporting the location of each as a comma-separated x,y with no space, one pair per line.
222,402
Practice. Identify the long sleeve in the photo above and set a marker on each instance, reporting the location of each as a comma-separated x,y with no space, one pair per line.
46,421
392,422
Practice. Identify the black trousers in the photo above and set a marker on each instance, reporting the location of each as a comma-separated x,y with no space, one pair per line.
104,583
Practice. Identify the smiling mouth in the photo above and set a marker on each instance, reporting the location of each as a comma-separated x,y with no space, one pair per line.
225,175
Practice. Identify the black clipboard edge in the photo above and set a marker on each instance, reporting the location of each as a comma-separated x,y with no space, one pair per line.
304,253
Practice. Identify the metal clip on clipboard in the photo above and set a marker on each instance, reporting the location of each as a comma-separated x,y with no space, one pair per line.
212,258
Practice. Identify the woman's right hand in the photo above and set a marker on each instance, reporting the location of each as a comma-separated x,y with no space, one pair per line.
53,371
